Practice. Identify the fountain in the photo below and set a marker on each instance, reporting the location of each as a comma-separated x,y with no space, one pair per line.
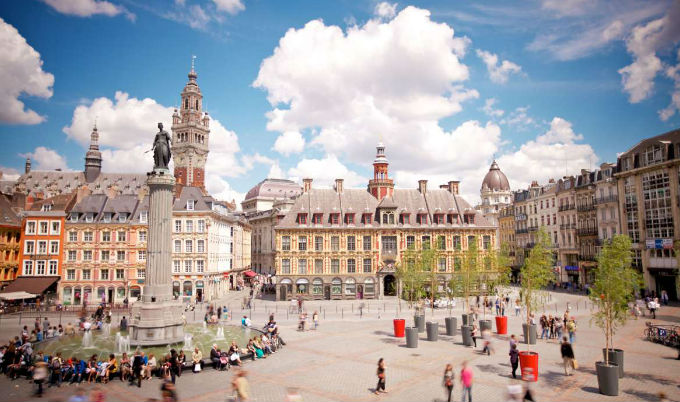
220,334
106,329
122,343
87,342
205,325
188,341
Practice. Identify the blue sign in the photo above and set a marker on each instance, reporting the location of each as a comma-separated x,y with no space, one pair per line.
571,268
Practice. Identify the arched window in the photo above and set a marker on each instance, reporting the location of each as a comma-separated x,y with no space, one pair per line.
350,286
317,286
196,104
336,286
302,286
369,285
68,292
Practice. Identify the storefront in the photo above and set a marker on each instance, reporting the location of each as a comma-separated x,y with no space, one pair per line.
665,279
573,273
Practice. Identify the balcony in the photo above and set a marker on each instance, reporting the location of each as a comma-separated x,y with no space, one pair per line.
586,208
586,232
520,217
521,231
586,257
606,200
566,226
533,228
566,207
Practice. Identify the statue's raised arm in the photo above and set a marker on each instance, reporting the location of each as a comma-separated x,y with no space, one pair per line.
161,148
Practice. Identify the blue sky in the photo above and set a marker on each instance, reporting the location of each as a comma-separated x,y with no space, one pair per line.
307,88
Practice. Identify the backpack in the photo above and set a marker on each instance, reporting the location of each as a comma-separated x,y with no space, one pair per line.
56,364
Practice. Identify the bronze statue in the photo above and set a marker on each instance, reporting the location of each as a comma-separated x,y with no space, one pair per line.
161,148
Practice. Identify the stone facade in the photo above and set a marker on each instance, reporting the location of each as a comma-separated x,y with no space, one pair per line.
567,256
10,239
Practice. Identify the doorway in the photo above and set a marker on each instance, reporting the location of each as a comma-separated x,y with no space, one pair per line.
327,292
389,286
110,294
284,292
360,291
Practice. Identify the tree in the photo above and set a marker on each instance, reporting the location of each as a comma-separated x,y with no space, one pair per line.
536,271
426,264
614,287
467,279
501,263
409,275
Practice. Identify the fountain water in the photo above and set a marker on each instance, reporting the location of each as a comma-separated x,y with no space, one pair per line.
88,342
122,343
188,341
106,330
220,333
205,325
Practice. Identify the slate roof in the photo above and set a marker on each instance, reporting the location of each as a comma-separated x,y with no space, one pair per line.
8,216
274,188
52,183
99,205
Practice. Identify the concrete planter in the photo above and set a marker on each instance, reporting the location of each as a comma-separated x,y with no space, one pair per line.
467,319
432,331
529,333
451,324
616,357
607,378
419,322
411,337
466,331
484,324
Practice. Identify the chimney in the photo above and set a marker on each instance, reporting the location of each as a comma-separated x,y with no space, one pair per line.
27,168
338,185
444,186
306,185
422,186
453,186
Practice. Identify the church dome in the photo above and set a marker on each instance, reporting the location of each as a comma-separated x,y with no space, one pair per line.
274,188
495,180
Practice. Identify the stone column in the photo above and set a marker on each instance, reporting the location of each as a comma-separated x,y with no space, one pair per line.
159,262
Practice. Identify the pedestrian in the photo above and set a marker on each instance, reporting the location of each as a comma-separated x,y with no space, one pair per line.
123,324
381,377
137,365
514,359
473,335
39,376
46,325
168,390
448,381
240,386
664,297
518,307
466,381
567,356
571,328
652,306
315,318
174,363
488,347
513,340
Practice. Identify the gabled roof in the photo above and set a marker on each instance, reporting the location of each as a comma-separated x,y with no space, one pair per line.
8,216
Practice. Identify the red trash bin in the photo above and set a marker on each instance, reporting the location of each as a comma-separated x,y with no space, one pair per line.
502,325
399,327
528,363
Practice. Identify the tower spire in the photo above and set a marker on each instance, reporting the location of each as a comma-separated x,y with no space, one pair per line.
93,158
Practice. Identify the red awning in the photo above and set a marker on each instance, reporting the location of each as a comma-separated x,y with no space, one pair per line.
249,273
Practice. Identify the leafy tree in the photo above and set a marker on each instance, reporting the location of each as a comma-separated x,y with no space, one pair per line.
614,287
536,272
467,280
410,276
501,263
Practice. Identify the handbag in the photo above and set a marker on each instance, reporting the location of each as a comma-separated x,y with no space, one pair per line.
574,364
197,368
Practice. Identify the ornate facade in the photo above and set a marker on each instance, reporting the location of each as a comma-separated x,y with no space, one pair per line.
495,193
10,235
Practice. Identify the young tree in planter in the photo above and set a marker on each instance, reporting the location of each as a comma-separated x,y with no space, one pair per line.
614,287
536,272
467,279
409,276
501,264
426,264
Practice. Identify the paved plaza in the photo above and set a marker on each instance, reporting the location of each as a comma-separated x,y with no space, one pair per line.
337,362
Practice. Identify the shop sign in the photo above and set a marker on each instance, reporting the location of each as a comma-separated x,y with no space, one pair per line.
571,268
659,243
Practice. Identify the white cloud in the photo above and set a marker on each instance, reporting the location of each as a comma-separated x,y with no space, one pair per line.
43,158
394,79
385,10
232,7
290,142
21,74
325,171
88,8
490,110
9,173
672,72
275,172
498,73
519,118
567,7
221,190
551,155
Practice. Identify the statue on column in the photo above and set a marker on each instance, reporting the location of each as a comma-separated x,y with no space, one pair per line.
161,148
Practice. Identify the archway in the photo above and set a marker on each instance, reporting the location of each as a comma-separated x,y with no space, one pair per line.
389,286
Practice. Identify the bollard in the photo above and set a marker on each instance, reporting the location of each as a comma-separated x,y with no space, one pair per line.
352,307
343,313
324,314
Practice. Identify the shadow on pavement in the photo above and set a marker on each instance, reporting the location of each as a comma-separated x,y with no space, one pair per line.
642,395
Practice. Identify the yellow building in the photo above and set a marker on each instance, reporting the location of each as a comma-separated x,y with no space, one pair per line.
10,231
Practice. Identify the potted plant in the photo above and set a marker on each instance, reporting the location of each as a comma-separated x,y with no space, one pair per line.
613,288
410,278
467,281
536,273
501,277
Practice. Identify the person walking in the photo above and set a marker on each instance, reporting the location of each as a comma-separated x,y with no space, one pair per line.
448,381
39,376
381,377
315,318
514,359
240,386
571,328
567,356
466,381
664,297
518,307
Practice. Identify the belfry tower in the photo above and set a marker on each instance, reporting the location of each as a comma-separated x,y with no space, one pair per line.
190,135
381,185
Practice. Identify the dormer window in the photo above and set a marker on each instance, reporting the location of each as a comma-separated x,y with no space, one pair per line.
89,217
144,216
334,218
439,219
107,217
349,219
366,219
316,219
122,217
451,219
46,207
405,218
469,218
302,219
388,218
190,205
421,219
73,217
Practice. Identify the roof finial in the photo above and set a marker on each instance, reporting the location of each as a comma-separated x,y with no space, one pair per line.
193,61
95,122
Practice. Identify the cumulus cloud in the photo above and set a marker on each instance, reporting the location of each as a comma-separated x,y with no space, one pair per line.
324,171
519,118
290,142
275,171
88,8
9,173
21,74
43,158
490,110
498,72
672,72
550,155
385,10
232,7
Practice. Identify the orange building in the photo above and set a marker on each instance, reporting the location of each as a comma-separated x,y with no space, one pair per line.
10,231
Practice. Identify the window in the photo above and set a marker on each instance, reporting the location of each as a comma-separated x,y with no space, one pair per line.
656,193
439,219
200,246
367,243
54,247
369,286
318,243
426,242
70,274
302,219
389,244
349,219
144,217
351,266
335,266
176,267
302,243
410,241
335,243
55,228
350,286
104,274
28,267
120,255
441,265
456,264
366,219
285,243
122,217
471,241
190,205
653,155
285,266
317,218
142,236
178,246
334,218
107,217
141,255
201,226
317,286
388,218
441,242
30,227
189,225
189,246
42,228
367,266
106,236
40,267
318,266
302,267
87,255
87,275
351,243
188,265
87,237
89,217
72,255
200,266
178,226
336,286
29,247
486,242
73,236
120,274
141,274
122,235
421,219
